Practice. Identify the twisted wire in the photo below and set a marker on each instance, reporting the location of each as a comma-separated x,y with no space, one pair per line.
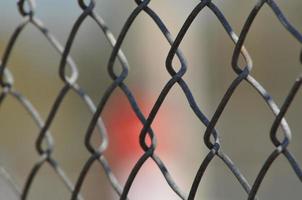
211,136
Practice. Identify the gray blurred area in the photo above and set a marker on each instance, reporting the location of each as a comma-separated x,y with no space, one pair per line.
244,126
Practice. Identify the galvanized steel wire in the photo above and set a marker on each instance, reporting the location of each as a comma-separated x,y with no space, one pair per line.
45,141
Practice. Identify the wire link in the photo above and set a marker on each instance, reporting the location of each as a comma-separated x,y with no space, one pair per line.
211,136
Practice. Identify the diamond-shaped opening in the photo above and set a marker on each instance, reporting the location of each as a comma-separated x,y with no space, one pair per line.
280,181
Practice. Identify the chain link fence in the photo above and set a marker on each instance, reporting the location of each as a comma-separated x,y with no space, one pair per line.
68,73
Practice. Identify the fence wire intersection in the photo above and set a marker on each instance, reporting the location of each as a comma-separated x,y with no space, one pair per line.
45,140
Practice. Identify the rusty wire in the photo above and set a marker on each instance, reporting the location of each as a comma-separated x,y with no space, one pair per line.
45,141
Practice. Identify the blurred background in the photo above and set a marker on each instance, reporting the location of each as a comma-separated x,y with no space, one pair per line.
244,126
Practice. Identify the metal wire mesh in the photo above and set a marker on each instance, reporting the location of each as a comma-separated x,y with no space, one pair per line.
44,141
